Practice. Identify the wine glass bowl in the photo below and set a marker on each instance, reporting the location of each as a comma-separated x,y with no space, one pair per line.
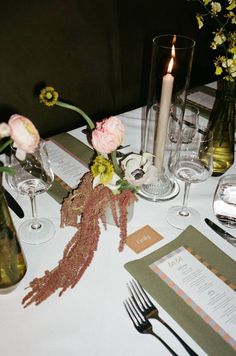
33,176
189,123
193,164
224,202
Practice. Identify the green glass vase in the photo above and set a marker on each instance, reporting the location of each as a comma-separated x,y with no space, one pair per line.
222,124
12,261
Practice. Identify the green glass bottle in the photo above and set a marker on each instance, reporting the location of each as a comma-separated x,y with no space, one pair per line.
12,261
222,124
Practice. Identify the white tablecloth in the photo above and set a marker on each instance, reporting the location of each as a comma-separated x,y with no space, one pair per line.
90,319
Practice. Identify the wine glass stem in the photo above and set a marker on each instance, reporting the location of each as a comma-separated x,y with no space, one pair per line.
184,210
35,223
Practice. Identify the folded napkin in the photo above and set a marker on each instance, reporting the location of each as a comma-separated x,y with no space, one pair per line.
194,325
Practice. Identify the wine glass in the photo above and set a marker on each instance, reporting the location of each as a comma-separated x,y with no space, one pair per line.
193,164
33,176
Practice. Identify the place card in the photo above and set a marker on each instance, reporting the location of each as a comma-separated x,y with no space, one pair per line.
202,288
143,238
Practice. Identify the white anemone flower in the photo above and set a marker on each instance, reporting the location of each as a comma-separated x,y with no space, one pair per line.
112,184
139,169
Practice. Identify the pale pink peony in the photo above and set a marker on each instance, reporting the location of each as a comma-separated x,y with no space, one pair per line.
108,135
24,134
5,130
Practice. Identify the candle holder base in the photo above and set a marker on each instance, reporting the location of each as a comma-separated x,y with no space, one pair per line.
163,189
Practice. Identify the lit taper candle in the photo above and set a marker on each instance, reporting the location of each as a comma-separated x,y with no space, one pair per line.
164,113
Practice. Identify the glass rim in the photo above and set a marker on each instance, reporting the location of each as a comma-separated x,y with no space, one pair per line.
191,45
206,135
227,176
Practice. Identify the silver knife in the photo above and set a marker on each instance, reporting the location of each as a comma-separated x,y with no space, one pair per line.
227,236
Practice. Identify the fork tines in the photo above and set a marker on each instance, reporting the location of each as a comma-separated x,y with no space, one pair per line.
133,312
138,294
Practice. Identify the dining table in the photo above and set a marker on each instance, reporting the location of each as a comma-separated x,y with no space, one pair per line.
90,319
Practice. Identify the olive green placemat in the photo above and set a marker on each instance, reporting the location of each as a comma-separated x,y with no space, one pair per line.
194,325
77,149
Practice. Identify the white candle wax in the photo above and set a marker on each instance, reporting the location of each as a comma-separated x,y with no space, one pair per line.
162,125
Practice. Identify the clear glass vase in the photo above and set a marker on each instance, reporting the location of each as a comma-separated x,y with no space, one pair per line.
12,261
170,69
222,124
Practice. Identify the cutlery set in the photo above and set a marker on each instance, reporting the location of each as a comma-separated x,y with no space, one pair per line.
140,309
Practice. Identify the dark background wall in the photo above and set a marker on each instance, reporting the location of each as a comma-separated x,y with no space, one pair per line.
96,53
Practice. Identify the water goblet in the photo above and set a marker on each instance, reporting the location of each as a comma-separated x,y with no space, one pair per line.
193,164
181,129
224,202
33,176
190,123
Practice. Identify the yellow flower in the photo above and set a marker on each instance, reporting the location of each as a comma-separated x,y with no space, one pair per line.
224,38
231,15
232,5
213,45
218,70
48,96
102,168
232,50
199,20
219,38
215,7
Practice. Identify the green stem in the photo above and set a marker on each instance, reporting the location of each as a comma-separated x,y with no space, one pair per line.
7,143
79,111
115,164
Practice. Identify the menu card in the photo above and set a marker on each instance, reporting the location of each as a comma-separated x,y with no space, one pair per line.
206,293
64,165
70,159
203,304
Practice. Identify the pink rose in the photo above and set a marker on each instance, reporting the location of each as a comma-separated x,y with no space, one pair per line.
108,135
24,134
5,130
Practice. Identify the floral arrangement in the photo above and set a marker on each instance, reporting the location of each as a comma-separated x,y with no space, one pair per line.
224,38
110,184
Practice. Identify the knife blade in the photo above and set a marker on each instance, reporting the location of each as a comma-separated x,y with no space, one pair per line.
227,236
12,203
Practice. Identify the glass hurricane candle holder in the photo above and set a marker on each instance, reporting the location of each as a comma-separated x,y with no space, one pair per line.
171,64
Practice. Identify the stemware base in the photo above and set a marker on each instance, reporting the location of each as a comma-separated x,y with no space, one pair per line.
182,221
36,236
156,196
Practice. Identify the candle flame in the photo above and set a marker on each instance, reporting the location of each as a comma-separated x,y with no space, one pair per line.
174,40
173,51
170,66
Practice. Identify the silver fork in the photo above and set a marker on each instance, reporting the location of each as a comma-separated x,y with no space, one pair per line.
148,310
141,324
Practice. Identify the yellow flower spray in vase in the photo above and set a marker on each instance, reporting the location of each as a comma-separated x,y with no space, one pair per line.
222,119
